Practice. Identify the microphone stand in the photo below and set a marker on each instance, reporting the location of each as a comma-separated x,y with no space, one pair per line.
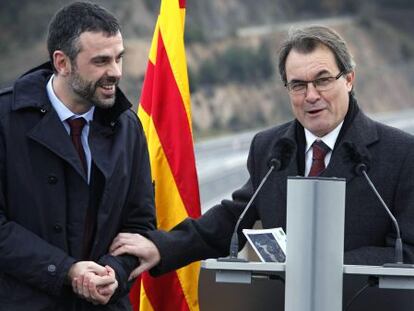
234,244
362,169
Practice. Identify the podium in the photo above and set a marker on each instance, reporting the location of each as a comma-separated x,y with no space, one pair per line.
314,271
394,292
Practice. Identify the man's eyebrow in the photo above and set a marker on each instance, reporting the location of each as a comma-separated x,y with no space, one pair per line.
297,81
104,57
122,53
100,57
318,75
322,72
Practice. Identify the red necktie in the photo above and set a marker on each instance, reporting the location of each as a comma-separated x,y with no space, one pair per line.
318,159
76,126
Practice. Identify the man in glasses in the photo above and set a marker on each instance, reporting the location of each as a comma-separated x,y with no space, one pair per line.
329,137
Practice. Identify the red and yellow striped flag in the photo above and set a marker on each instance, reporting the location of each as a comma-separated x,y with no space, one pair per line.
165,113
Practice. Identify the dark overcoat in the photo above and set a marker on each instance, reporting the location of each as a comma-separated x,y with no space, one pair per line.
44,197
369,233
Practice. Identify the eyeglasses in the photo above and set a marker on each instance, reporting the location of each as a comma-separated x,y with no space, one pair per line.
321,84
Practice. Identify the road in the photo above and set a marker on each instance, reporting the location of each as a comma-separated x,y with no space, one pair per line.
221,162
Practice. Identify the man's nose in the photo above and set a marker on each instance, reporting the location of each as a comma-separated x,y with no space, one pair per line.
312,94
115,70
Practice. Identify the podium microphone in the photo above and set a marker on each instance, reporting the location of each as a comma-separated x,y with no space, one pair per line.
278,160
361,170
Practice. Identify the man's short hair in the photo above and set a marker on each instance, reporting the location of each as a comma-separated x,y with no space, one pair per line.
307,39
72,20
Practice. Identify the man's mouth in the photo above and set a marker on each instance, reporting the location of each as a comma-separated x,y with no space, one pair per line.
315,111
108,89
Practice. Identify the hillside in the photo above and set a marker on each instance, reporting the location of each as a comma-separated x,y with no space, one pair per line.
231,51
384,82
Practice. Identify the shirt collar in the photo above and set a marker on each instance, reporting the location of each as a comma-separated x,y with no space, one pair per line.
64,112
329,139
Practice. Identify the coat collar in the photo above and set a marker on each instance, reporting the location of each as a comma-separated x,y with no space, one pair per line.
361,131
362,134
29,91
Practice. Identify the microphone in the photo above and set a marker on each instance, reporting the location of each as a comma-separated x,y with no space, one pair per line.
278,160
361,169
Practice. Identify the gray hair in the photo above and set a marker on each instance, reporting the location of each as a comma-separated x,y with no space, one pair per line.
307,39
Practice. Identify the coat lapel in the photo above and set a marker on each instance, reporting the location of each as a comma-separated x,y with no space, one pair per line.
100,144
341,165
362,133
279,179
106,160
51,133
102,129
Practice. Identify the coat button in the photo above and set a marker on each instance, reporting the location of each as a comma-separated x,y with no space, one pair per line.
51,269
52,179
57,228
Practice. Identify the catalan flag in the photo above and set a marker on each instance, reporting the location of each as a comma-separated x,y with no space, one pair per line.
165,113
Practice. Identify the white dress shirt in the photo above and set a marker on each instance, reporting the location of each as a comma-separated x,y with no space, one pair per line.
64,114
329,139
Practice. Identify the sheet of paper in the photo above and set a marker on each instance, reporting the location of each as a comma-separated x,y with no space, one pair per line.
269,244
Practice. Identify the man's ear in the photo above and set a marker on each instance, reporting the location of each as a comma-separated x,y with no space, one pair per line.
62,63
350,79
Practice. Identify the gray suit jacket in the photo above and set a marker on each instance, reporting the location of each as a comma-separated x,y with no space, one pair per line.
369,233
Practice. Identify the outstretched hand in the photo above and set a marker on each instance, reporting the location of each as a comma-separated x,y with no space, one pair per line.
139,246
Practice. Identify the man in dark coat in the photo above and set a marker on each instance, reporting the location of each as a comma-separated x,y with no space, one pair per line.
318,72
65,192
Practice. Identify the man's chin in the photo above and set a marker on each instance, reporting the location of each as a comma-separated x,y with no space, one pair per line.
104,103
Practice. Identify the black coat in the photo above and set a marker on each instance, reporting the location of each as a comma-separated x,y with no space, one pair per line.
369,233
44,193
